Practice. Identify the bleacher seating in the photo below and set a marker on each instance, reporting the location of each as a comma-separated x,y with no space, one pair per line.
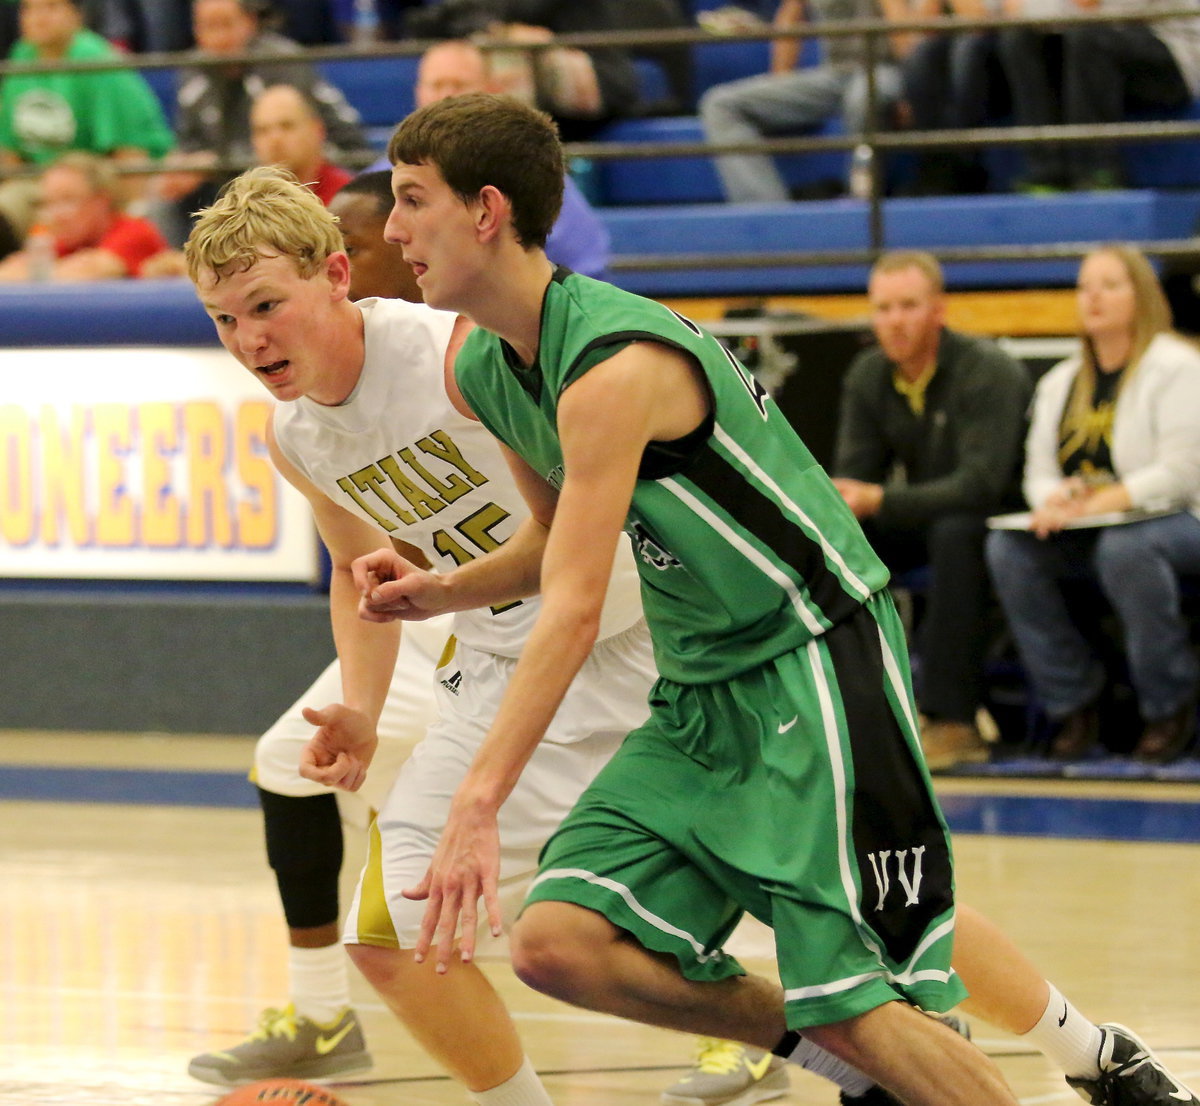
673,205
999,220
380,88
693,180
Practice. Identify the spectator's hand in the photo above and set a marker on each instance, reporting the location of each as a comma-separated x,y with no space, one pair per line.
862,498
1068,501
340,752
166,263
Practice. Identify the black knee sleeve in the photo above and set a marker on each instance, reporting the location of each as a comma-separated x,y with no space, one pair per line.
304,848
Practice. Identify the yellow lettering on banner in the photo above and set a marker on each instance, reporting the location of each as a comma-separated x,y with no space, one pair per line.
16,476
64,479
258,512
162,513
115,514
209,521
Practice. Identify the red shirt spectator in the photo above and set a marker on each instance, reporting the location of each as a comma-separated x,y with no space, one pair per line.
80,207
286,129
129,238
328,181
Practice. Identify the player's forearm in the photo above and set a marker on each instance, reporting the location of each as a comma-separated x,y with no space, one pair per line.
513,571
366,650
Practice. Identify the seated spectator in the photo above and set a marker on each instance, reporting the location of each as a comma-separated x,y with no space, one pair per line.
287,130
583,89
928,446
93,238
579,239
952,81
213,115
788,99
1094,73
1114,428
112,112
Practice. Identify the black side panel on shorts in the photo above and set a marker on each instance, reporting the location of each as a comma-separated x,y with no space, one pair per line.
902,852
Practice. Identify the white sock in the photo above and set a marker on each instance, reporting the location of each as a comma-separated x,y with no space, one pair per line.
812,1058
523,1089
1068,1038
320,982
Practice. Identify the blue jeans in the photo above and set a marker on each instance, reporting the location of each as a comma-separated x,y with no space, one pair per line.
1137,567
752,108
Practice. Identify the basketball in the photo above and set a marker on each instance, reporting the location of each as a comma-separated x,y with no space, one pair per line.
282,1092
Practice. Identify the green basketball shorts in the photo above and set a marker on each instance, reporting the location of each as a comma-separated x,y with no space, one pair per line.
797,792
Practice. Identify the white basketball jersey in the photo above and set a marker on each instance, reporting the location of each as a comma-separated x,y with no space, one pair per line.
399,455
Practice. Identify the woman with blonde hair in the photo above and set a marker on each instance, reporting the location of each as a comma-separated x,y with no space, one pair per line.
1114,434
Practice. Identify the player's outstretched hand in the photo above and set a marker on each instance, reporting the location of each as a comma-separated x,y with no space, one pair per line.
464,869
391,587
340,752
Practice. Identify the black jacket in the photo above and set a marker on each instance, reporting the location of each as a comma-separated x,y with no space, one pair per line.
962,455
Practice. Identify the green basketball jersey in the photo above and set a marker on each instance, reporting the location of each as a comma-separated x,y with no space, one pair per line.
745,548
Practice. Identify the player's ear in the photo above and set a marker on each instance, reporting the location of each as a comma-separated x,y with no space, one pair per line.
493,212
337,269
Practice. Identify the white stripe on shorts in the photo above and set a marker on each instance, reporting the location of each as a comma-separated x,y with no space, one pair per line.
631,901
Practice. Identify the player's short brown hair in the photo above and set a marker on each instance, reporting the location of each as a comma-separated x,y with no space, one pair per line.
479,139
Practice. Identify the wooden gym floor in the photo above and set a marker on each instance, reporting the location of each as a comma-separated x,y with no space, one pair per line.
139,926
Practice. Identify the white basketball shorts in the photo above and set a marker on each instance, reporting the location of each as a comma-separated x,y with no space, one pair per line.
607,700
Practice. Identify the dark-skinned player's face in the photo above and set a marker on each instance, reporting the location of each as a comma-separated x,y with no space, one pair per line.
377,268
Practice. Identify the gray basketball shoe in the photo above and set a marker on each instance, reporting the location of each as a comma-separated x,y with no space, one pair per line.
288,1046
726,1073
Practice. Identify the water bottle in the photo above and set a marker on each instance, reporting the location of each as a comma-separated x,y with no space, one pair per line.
365,29
40,248
862,172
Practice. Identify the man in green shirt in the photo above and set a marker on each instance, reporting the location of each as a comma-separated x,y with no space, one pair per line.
111,112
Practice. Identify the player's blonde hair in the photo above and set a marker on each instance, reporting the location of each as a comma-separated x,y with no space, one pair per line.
264,212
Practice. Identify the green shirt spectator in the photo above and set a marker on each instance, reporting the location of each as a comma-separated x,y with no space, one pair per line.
111,112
